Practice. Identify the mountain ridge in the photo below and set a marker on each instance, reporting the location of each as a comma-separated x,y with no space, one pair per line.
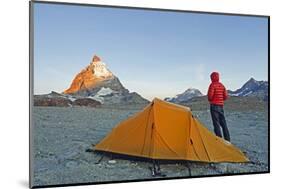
94,76
251,87
94,85
185,96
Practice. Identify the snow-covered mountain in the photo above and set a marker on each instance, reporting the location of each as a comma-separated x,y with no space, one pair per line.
94,77
185,96
95,83
252,88
98,83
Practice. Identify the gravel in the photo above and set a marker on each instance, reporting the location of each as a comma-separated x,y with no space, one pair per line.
62,137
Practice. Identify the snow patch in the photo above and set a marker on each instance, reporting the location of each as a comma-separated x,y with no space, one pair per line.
102,92
248,93
97,98
100,69
245,92
238,94
72,99
191,90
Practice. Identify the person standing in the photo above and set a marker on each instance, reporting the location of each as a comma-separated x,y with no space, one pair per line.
217,94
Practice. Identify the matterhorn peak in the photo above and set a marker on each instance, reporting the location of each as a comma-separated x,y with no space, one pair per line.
99,68
96,59
93,75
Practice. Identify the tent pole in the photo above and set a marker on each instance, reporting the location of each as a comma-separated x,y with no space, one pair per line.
153,169
188,167
158,167
100,159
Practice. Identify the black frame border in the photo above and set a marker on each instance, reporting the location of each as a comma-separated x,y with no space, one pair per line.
31,64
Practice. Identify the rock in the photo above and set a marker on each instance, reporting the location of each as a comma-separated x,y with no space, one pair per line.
95,79
252,88
96,59
86,102
51,101
93,75
112,161
93,86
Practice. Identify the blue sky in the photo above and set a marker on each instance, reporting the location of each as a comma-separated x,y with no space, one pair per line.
157,54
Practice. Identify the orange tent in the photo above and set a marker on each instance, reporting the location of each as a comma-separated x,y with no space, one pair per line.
168,131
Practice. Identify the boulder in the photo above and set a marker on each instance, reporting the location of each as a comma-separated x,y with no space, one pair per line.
52,101
86,102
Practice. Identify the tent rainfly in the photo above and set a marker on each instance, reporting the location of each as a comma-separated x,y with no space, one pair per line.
166,131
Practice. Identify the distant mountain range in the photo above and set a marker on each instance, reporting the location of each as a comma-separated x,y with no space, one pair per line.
95,85
185,96
251,88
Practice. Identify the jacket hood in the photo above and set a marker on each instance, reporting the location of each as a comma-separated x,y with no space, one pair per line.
215,77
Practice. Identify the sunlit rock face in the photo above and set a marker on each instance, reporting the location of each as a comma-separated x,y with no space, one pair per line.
98,83
94,75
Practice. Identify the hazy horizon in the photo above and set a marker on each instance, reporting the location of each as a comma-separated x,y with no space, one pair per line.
156,54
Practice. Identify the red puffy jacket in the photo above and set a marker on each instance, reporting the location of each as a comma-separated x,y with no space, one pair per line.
217,93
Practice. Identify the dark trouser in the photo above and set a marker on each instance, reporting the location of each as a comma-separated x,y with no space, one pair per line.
219,122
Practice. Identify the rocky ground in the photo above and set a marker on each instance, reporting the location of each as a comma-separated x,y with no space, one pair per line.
62,135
